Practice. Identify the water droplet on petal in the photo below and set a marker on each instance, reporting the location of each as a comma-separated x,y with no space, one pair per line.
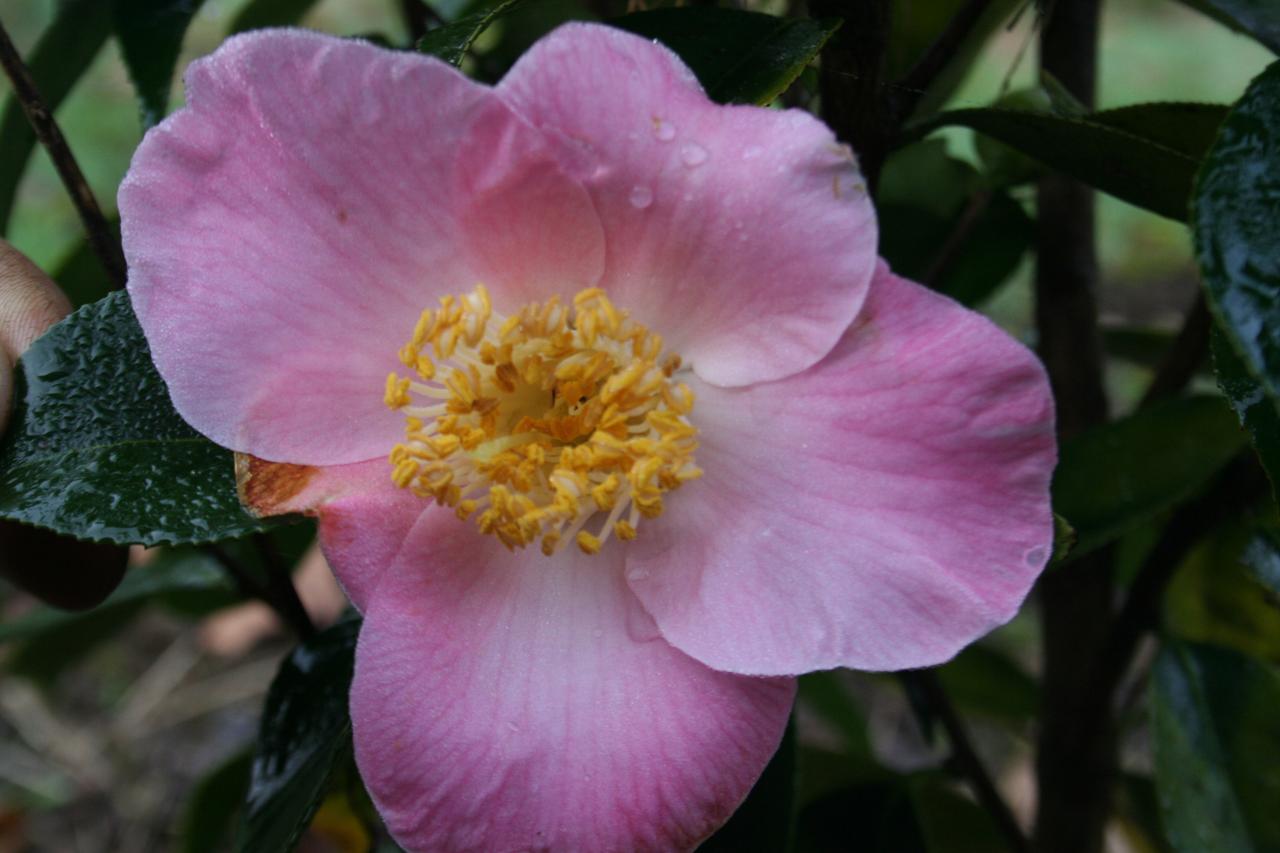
664,130
637,574
641,197
693,154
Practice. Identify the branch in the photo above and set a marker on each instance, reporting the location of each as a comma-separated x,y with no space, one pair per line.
101,240
966,762
280,584
1185,355
912,87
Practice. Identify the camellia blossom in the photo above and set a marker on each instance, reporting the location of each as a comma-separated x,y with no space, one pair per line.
612,420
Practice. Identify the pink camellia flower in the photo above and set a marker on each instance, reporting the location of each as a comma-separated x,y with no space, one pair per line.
612,421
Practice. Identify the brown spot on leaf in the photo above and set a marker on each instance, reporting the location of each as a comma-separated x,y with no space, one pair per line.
266,488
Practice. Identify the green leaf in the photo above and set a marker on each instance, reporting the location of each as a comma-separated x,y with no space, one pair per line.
305,735
939,225
739,57
1144,154
258,14
150,34
1237,204
451,42
1257,412
1216,747
176,571
765,819
95,450
1114,477
210,814
950,822
1064,539
1257,18
63,54
825,694
983,681
1262,558
1214,599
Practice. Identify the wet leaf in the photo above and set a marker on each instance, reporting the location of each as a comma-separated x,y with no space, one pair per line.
95,450
739,57
1217,749
305,734
1237,204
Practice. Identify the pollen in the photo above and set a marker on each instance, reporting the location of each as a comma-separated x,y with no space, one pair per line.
556,424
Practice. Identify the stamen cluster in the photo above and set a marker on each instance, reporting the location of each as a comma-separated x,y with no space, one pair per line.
537,422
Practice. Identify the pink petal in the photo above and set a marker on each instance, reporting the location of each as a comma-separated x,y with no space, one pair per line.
364,518
878,511
285,230
510,702
743,235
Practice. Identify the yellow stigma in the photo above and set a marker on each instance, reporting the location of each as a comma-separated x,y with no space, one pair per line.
542,423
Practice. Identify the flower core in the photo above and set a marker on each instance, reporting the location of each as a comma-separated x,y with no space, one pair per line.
538,421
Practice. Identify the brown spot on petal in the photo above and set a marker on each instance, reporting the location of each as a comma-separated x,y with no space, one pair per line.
266,488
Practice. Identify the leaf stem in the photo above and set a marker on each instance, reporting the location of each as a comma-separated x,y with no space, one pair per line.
913,85
46,129
280,584
965,760
1185,354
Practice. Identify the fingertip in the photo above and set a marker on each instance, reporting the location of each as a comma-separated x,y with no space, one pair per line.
30,302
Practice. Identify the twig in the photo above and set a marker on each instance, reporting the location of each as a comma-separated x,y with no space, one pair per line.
101,240
1185,354
920,76
966,762
282,589
959,236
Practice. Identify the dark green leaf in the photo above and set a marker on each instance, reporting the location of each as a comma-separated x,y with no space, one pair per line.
1255,409
210,815
1217,749
171,572
939,225
1113,477
765,819
870,817
46,656
1214,599
739,57
984,681
1258,18
1262,558
95,450
1138,154
258,14
951,823
451,42
150,34
1237,204
305,734
63,53
1064,539
826,695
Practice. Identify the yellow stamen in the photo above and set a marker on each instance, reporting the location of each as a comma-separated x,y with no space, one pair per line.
538,422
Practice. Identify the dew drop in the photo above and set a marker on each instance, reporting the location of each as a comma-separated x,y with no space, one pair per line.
641,197
664,130
637,574
693,154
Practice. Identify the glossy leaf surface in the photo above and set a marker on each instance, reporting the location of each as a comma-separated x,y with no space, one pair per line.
95,450
1118,475
1216,749
305,733
739,57
150,34
1237,205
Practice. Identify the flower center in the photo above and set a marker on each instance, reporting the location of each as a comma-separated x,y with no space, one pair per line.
540,422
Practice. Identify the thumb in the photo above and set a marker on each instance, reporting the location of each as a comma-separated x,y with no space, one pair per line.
29,304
